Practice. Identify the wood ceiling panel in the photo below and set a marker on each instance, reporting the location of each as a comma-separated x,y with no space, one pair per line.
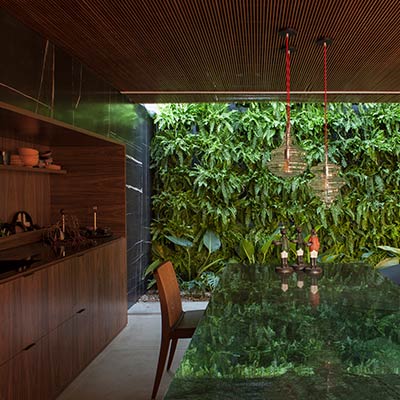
211,50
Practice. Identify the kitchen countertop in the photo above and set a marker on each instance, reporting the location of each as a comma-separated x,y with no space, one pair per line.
38,255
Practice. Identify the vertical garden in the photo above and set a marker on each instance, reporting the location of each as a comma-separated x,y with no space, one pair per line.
214,200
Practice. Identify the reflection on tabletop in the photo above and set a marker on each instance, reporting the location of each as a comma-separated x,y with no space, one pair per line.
267,335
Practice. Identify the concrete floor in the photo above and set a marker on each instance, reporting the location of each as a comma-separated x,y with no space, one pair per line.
125,370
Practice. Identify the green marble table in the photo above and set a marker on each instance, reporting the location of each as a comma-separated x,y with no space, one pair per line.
257,341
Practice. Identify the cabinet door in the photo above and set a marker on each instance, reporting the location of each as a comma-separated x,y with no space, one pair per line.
60,368
118,305
5,374
84,281
23,313
23,377
8,342
60,293
84,339
111,309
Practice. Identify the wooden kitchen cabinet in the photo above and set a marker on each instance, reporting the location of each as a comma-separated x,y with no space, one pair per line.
84,343
22,312
60,292
60,367
110,284
42,370
58,317
33,305
42,350
23,377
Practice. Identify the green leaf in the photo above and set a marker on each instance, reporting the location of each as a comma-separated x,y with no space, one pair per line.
152,267
387,262
268,243
180,241
329,258
211,241
206,267
393,250
248,248
151,284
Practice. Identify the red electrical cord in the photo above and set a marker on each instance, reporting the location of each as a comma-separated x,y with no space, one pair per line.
287,90
325,104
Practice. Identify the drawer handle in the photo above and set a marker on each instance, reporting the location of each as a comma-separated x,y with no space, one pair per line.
81,311
29,346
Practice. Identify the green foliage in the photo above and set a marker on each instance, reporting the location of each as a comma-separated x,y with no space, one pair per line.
180,241
389,261
390,249
211,241
209,174
206,282
248,248
152,267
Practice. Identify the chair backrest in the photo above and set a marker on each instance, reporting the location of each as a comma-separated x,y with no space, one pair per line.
170,296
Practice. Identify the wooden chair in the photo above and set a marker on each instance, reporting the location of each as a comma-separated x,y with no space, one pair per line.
176,323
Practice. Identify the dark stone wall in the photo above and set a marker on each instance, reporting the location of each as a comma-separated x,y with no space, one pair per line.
38,76
138,191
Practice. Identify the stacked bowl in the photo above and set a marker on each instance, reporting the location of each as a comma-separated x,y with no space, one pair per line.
30,157
16,161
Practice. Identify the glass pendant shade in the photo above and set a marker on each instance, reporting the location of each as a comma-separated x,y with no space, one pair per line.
287,160
326,183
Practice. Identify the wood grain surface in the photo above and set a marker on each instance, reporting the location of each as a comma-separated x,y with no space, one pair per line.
227,50
96,177
56,320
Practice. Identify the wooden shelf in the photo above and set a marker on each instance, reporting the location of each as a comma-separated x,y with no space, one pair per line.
21,239
31,169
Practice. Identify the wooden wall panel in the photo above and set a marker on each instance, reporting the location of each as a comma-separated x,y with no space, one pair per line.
12,144
95,177
23,190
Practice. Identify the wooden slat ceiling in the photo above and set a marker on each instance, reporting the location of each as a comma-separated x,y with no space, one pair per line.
227,50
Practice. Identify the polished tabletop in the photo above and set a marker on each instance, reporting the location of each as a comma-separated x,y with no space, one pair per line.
337,337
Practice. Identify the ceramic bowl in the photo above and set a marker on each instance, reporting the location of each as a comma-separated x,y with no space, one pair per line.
30,161
15,159
26,151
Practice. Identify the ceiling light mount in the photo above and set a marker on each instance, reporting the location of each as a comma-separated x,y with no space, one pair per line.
322,40
291,49
287,31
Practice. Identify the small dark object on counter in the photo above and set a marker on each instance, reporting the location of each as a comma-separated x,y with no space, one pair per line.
6,230
98,233
45,155
4,157
68,235
22,222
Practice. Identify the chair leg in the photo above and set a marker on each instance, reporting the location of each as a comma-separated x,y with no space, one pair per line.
161,364
171,353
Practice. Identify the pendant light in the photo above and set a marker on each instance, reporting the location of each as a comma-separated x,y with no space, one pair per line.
326,182
287,160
